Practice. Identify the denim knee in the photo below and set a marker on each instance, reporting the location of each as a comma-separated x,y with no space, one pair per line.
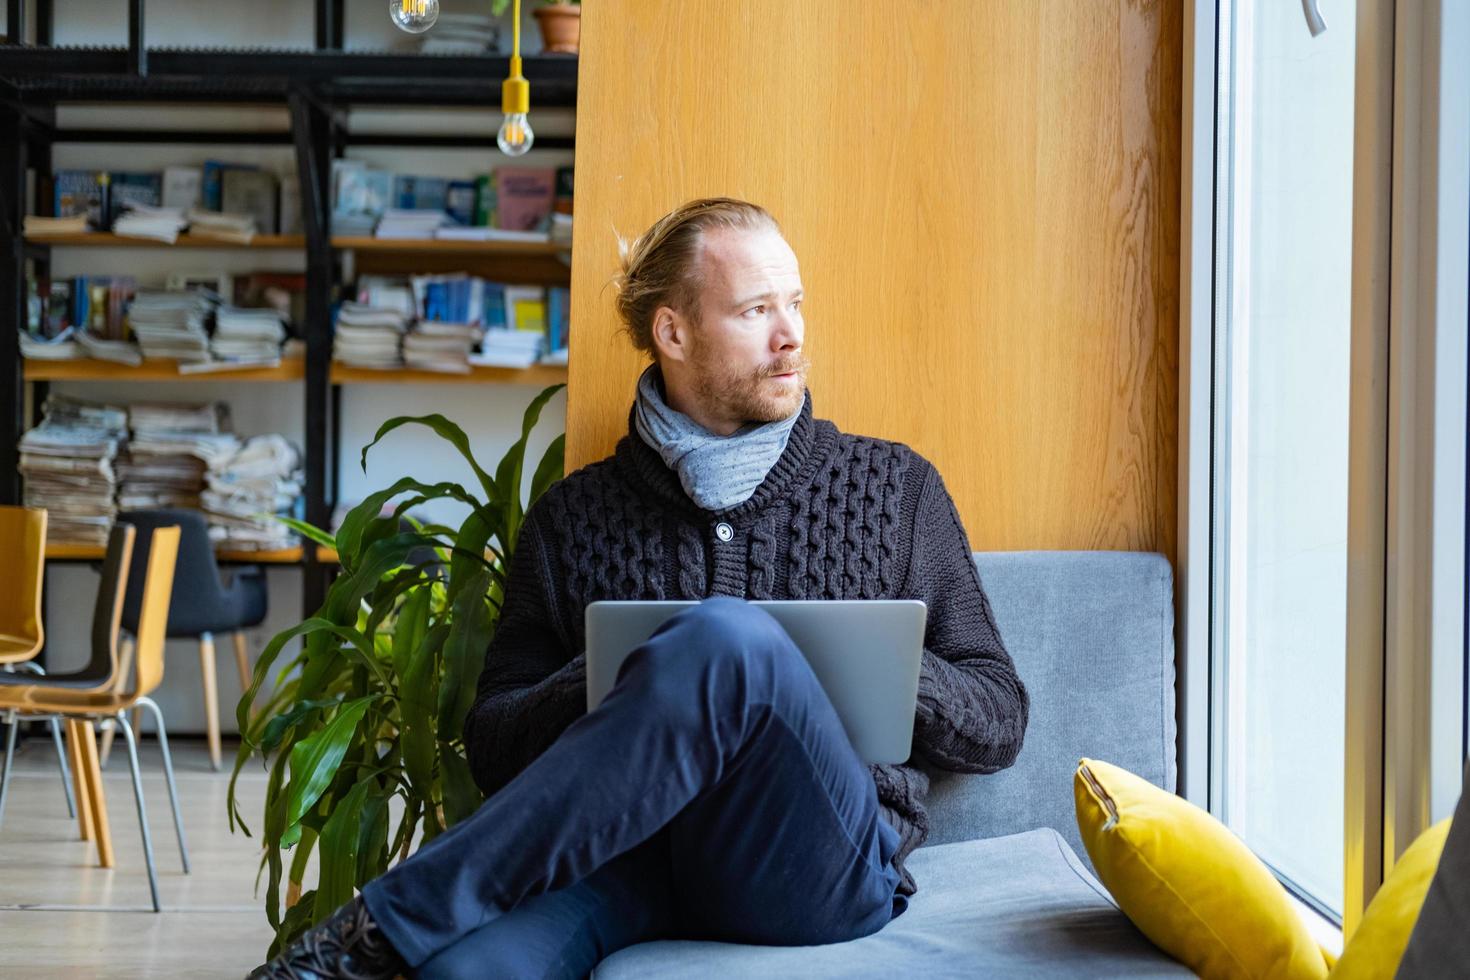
719,631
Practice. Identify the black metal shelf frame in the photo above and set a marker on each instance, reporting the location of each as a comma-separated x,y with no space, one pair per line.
316,86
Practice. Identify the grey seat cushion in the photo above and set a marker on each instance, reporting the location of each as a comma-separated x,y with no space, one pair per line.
1013,906
1092,635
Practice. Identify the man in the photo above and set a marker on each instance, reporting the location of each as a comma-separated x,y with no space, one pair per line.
713,794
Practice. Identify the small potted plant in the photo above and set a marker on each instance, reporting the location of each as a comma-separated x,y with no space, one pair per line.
560,22
561,25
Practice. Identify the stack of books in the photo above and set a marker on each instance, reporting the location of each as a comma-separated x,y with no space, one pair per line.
67,464
561,229
145,221
369,336
243,493
171,324
475,233
149,480
223,226
62,347
198,430
510,348
248,336
73,224
461,34
116,351
411,222
435,346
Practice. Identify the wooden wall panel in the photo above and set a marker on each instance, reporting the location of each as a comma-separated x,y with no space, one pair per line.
984,200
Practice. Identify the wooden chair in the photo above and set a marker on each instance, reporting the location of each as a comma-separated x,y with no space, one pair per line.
203,607
82,700
22,633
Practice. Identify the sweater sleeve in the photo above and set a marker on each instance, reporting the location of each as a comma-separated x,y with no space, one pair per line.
532,686
972,708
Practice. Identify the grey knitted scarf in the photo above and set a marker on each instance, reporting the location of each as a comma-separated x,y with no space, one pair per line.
717,472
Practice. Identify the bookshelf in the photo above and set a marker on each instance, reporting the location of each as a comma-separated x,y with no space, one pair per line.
290,369
431,246
435,246
100,239
279,556
317,87
538,374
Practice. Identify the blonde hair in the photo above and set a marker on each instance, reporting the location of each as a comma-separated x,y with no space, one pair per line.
661,266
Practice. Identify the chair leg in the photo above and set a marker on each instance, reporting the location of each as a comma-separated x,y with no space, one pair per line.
125,670
211,697
79,778
168,772
100,825
242,660
71,810
11,729
121,720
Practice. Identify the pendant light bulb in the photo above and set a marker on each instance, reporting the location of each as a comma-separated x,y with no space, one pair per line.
515,136
414,16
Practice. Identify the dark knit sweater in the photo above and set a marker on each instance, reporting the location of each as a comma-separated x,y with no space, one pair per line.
838,517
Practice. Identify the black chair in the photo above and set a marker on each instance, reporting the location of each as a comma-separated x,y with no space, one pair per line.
202,605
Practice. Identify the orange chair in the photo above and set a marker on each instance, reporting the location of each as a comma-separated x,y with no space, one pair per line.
93,697
23,541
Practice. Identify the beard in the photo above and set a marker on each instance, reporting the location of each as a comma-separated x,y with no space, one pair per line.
749,395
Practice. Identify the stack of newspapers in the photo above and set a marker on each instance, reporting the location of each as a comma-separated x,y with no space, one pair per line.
67,462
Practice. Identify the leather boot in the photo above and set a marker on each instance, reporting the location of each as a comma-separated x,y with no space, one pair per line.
347,946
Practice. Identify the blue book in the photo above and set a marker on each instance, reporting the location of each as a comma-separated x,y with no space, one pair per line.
460,202
420,193
133,188
80,306
212,188
494,306
557,308
462,300
80,192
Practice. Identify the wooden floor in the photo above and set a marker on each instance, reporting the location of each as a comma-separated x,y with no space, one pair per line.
63,916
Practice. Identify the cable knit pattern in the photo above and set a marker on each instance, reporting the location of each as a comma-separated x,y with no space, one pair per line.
838,517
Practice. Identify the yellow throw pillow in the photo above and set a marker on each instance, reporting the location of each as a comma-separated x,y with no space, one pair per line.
1188,883
1381,938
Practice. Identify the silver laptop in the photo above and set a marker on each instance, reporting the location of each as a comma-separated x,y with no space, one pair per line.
865,653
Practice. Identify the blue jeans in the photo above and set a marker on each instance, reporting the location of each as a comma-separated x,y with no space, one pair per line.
712,795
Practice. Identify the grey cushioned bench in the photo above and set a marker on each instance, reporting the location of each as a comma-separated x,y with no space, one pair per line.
1005,887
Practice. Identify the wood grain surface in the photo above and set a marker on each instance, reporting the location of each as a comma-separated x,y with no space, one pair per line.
984,200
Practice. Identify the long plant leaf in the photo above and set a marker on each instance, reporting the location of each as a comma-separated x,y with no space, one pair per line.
447,431
461,796
301,857
464,655
314,760
309,531
552,467
339,852
512,465
298,920
414,658
469,550
372,836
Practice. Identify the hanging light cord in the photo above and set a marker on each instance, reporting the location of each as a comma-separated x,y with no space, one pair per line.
515,35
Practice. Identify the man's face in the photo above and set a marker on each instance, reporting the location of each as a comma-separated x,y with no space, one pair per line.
744,360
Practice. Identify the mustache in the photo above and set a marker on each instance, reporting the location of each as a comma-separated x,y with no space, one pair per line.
799,363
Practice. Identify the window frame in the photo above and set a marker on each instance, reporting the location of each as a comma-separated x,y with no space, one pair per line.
1408,622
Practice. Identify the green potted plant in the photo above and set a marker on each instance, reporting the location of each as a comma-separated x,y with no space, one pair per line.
560,22
373,705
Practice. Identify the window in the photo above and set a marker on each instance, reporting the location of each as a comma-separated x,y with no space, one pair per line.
1282,324
1324,564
